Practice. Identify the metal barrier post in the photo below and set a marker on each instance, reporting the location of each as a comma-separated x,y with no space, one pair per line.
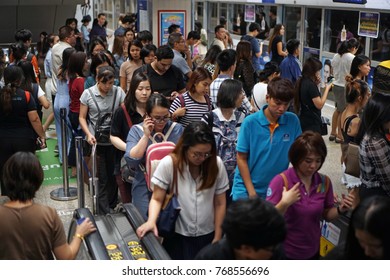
80,173
65,193
94,182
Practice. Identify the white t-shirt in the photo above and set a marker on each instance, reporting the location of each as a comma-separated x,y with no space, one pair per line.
259,94
197,207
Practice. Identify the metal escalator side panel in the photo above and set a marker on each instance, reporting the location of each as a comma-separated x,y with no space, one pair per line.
149,241
129,236
94,240
112,234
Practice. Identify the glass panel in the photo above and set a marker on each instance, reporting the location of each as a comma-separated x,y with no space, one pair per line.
292,23
380,47
313,28
336,19
109,5
199,11
213,20
239,24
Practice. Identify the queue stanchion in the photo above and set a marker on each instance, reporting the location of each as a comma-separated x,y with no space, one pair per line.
94,182
79,169
65,193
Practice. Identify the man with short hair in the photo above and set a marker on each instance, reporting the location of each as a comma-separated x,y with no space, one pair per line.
126,23
257,47
98,30
226,61
25,37
174,28
67,40
145,36
220,37
178,45
264,141
291,67
164,77
253,229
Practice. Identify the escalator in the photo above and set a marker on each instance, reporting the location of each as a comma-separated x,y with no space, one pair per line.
116,238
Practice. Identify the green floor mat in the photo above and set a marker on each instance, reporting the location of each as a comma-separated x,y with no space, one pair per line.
51,166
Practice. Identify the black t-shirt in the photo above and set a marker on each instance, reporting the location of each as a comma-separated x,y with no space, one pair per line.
310,116
17,124
275,56
171,80
120,127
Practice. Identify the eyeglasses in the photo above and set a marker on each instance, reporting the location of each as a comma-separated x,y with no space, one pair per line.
199,155
161,119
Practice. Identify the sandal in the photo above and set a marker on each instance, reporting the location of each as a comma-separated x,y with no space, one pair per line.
332,137
339,141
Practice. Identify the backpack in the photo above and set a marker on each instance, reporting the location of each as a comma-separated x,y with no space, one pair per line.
226,135
155,153
103,123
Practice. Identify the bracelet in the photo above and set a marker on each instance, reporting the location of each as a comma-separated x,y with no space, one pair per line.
78,235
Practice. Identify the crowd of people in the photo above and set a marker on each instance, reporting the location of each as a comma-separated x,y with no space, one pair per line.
236,131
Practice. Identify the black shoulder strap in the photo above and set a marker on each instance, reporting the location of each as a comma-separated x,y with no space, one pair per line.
207,97
115,94
94,100
348,121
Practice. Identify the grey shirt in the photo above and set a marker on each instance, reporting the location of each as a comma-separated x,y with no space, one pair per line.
180,62
104,103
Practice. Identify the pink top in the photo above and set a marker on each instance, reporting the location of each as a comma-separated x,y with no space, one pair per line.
303,217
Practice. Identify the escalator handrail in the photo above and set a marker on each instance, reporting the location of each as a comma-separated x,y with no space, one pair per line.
149,240
94,240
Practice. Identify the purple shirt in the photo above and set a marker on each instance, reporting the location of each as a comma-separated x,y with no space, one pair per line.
303,217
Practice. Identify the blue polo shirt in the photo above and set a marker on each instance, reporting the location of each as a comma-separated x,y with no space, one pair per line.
267,152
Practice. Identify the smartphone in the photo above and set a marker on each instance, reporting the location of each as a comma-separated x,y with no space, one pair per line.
330,79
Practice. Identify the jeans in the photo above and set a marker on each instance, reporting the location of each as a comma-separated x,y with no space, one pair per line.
62,101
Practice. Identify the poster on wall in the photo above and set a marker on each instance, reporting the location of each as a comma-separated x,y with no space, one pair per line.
167,18
368,24
250,14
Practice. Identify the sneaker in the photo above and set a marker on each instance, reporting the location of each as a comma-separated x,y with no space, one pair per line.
56,149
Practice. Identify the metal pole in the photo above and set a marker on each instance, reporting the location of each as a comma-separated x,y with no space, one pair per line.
65,193
94,182
80,173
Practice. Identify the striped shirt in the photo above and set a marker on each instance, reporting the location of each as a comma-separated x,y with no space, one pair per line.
194,109
214,87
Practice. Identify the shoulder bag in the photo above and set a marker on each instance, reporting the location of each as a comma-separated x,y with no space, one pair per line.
170,209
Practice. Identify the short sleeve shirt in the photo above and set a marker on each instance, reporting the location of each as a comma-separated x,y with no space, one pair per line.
104,102
267,152
17,124
31,233
197,214
303,217
171,80
180,62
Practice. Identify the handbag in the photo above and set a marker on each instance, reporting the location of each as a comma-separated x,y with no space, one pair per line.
127,172
170,209
324,125
352,165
